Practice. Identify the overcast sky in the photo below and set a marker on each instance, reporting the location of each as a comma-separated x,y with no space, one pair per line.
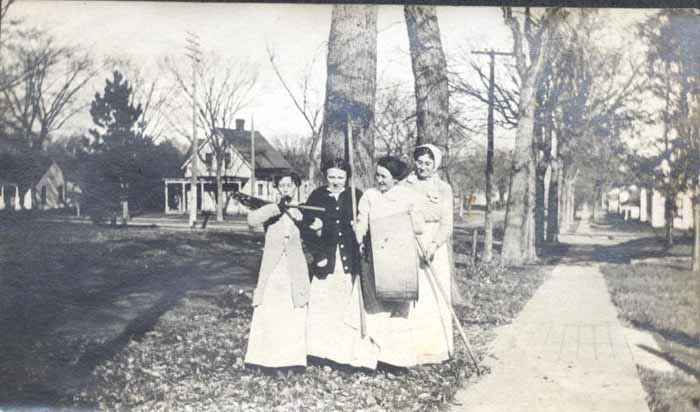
145,32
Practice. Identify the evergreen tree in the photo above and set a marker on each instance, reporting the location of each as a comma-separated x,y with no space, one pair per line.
115,115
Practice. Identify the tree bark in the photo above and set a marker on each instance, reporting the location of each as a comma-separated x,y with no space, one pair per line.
696,238
430,76
351,87
540,205
553,203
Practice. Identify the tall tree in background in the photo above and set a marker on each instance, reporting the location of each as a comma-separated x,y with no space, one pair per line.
674,67
519,237
351,87
46,94
115,115
122,154
116,143
310,105
430,77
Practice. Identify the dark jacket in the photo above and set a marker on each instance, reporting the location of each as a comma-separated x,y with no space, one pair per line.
336,232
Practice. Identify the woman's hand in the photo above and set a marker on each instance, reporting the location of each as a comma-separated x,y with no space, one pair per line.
316,226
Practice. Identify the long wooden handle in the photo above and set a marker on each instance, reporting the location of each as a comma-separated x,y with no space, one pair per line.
437,283
363,320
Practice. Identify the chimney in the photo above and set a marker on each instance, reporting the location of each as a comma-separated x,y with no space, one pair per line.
240,123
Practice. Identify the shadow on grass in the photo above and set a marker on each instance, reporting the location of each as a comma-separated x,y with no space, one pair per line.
695,373
620,253
74,295
672,335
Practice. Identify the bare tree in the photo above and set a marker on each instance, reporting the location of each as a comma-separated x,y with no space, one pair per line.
351,87
151,91
430,76
50,77
395,124
225,88
519,238
4,8
308,105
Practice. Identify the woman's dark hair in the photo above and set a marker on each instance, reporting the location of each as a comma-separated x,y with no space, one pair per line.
293,175
336,163
394,165
420,151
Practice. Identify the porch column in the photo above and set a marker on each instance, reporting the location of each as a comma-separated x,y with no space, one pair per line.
182,207
2,197
17,204
167,209
201,191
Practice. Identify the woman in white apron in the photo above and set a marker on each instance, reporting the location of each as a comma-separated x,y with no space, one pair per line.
389,322
430,317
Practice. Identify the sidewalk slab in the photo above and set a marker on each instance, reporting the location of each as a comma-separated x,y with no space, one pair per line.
566,351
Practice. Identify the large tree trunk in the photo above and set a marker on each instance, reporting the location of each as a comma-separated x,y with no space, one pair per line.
515,239
669,204
351,87
696,238
430,76
540,205
566,207
519,237
553,203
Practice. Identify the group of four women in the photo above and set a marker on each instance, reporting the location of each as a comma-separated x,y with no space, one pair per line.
320,309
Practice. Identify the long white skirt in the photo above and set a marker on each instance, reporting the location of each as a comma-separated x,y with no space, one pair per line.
420,332
333,323
278,329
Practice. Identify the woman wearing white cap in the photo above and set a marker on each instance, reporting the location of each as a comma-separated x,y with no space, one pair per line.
431,322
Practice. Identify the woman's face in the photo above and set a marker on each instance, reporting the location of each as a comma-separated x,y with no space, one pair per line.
286,186
336,179
425,166
385,180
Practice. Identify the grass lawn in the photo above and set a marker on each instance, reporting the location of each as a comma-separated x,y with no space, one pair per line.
144,319
73,295
663,299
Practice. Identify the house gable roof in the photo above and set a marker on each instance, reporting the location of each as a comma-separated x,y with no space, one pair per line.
23,168
267,158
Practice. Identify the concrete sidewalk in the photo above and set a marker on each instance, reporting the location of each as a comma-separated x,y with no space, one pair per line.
566,351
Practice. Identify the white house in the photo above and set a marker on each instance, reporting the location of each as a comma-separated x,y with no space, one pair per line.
236,173
32,181
649,205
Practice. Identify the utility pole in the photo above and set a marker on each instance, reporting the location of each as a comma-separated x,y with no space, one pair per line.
252,155
487,255
194,53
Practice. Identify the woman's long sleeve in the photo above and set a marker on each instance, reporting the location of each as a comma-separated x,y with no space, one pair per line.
362,221
259,216
444,231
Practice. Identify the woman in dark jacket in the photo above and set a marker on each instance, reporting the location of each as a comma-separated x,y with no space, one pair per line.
333,322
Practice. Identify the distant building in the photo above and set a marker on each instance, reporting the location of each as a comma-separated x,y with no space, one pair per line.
236,174
32,181
649,205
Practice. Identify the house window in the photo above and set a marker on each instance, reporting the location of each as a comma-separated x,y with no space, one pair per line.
60,194
43,195
260,189
209,159
227,161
